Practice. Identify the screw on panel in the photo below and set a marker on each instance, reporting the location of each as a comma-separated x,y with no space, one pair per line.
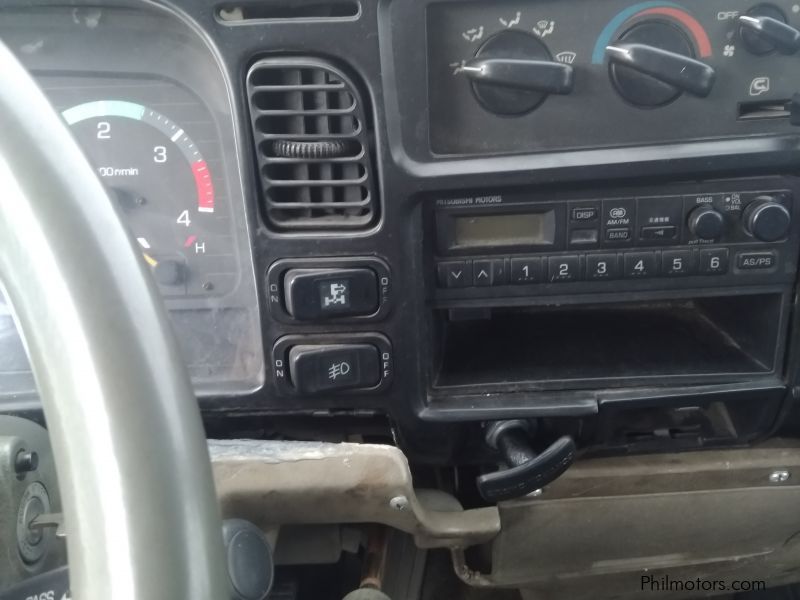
399,503
779,476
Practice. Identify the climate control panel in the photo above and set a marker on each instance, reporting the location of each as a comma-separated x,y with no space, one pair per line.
513,76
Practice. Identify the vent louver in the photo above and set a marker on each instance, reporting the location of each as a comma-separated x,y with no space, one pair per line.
313,145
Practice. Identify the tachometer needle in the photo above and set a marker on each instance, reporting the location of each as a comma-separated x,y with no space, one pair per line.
150,260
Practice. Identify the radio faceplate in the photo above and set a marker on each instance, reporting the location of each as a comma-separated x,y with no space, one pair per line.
512,244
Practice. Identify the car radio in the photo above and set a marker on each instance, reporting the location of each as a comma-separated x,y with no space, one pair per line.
521,243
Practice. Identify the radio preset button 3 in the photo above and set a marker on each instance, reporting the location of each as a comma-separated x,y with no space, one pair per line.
600,267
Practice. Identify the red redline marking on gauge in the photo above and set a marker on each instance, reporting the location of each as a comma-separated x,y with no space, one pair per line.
205,188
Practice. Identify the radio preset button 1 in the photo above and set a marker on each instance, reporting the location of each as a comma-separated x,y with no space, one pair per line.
714,261
564,268
751,261
526,270
602,267
455,274
676,263
640,264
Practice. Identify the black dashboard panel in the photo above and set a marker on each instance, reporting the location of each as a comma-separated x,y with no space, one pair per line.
716,347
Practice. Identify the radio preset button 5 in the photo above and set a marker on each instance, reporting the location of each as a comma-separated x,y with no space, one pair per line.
640,264
676,263
714,261
564,268
526,270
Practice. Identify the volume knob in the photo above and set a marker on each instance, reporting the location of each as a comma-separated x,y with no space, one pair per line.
706,223
766,220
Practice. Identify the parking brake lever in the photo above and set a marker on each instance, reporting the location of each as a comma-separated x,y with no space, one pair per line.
527,471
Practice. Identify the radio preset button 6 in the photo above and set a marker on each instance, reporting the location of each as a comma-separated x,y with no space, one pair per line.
601,267
714,261
564,268
526,270
640,264
676,263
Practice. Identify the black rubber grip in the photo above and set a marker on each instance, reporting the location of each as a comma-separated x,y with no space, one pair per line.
529,476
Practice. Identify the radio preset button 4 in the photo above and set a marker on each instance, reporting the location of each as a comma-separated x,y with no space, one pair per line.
640,264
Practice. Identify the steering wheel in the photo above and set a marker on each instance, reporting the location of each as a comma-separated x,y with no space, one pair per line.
140,510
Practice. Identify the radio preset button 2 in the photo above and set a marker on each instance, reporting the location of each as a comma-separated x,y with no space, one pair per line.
640,264
526,270
714,261
564,268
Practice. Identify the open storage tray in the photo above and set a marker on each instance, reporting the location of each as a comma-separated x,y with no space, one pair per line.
721,338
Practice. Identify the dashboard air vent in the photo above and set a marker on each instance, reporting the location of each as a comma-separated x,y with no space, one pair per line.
313,145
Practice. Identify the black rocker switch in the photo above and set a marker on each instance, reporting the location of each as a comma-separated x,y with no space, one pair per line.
319,294
316,368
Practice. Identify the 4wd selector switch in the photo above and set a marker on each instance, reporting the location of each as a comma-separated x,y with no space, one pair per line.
513,73
653,63
317,294
766,220
706,223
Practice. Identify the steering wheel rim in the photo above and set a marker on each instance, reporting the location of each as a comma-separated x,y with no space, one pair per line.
140,509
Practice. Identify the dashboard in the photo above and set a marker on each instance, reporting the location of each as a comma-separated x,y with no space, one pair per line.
455,211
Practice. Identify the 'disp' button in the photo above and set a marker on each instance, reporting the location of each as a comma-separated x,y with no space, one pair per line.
751,261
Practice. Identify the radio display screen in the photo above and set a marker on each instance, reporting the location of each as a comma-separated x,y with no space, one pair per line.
518,229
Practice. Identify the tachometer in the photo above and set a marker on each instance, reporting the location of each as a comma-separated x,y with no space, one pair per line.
166,190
